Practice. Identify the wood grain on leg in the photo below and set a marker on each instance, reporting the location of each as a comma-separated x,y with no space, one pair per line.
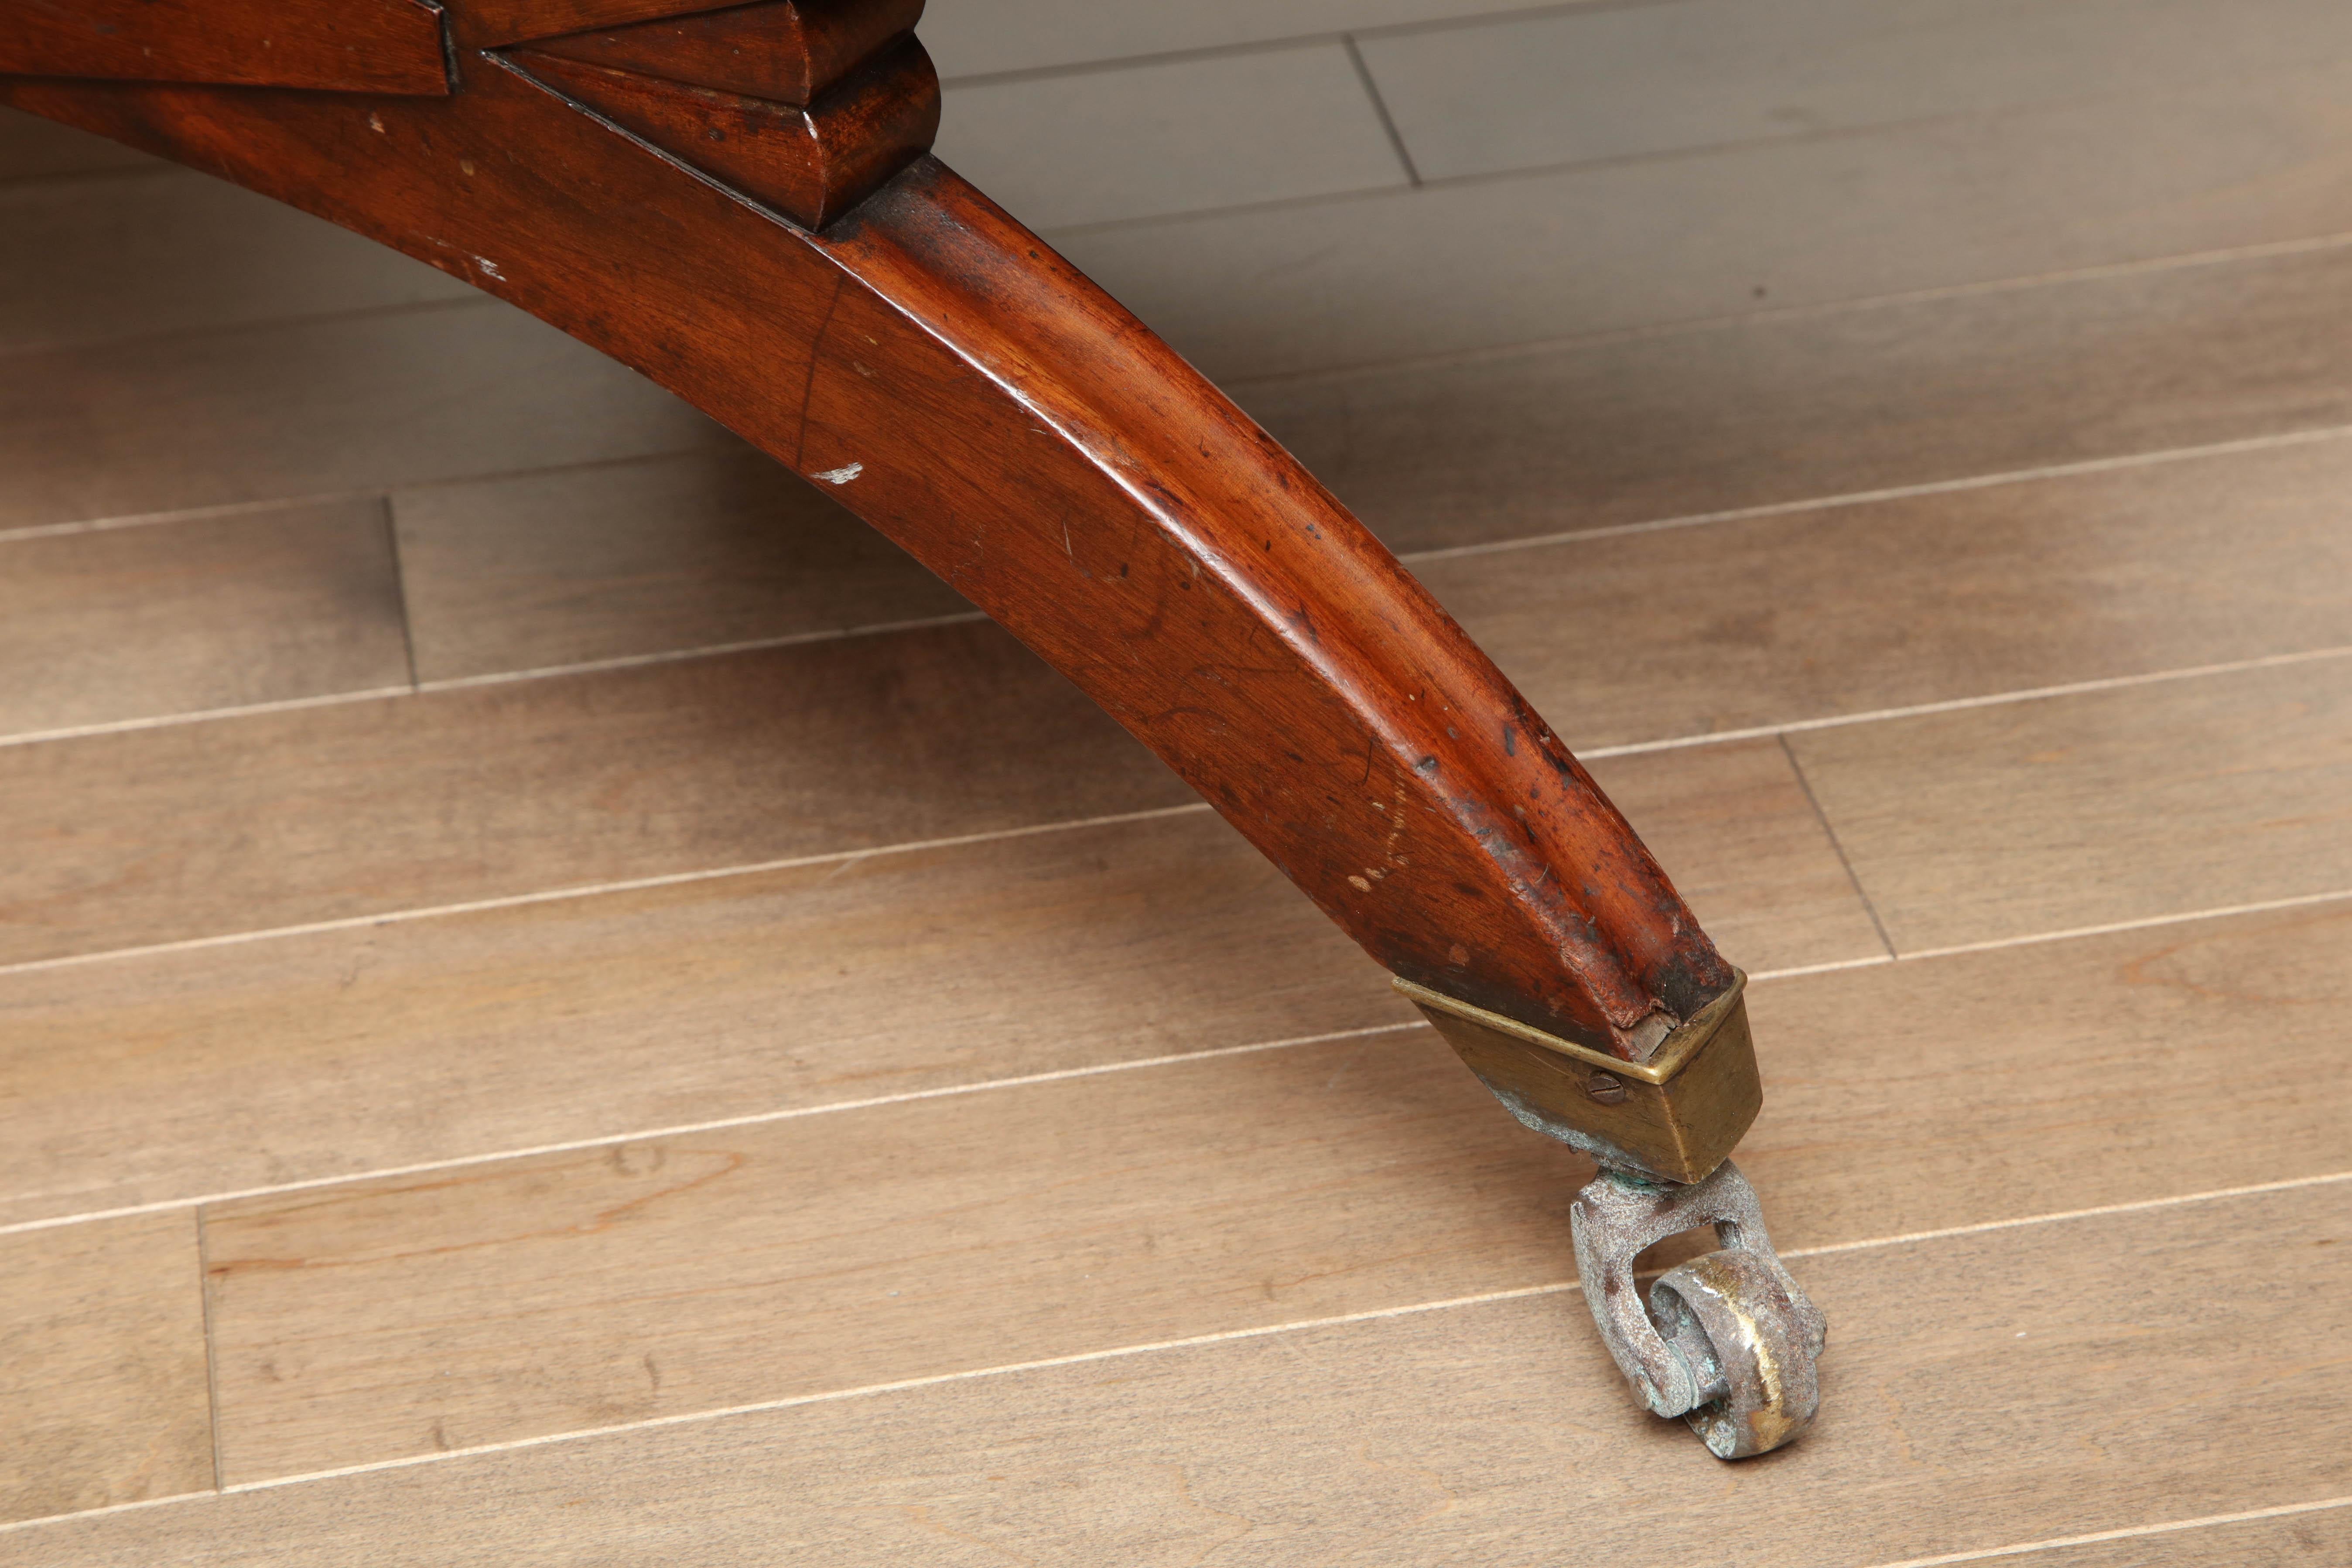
341,45
968,392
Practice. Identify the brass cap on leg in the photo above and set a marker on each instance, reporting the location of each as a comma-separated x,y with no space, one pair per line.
1673,1117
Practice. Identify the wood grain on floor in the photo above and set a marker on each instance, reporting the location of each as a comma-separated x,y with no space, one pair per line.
1854,609
102,1368
1231,129
2321,1538
1346,281
1995,823
277,819
1588,82
1780,409
1487,1432
359,401
2045,581
804,751
652,1132
32,149
657,1276
1040,34
169,1076
266,605
80,261
630,559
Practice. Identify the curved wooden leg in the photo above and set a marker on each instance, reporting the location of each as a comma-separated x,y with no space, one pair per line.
738,204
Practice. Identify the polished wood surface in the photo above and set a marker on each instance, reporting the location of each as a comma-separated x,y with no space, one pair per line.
784,51
972,395
489,24
2176,1412
810,162
338,46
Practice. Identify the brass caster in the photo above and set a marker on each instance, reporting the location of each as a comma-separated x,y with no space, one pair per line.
1726,1341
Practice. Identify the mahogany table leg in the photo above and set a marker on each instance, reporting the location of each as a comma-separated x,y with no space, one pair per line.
738,203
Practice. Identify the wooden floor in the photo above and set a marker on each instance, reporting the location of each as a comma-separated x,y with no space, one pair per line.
560,1003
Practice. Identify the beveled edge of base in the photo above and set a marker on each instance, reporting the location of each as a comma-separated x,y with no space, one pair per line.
1673,1053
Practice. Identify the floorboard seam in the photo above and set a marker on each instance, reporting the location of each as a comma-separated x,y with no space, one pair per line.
1993,481
360,492
1530,348
206,715
224,329
825,858
596,889
2101,1211
1853,879
1965,704
1012,74
1097,1069
720,1124
1997,479
212,1356
1118,1352
1380,107
2129,1532
1641,158
715,650
399,587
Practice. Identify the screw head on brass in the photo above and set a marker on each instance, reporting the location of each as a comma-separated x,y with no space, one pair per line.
1608,1091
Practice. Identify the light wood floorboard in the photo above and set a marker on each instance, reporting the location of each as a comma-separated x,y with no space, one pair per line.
1339,279
2068,578
170,1076
588,778
2072,577
129,256
2320,1539
102,1369
657,1277
361,403
658,1128
1857,609
277,819
1620,82
1009,36
1995,823
1984,1405
32,148
1187,135
266,605
1768,411
711,549
1353,280
1780,410
696,551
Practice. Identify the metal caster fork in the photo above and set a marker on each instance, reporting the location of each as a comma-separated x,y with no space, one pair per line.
1727,1341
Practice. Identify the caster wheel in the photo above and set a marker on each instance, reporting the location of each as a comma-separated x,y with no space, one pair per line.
1749,1348
1726,1341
